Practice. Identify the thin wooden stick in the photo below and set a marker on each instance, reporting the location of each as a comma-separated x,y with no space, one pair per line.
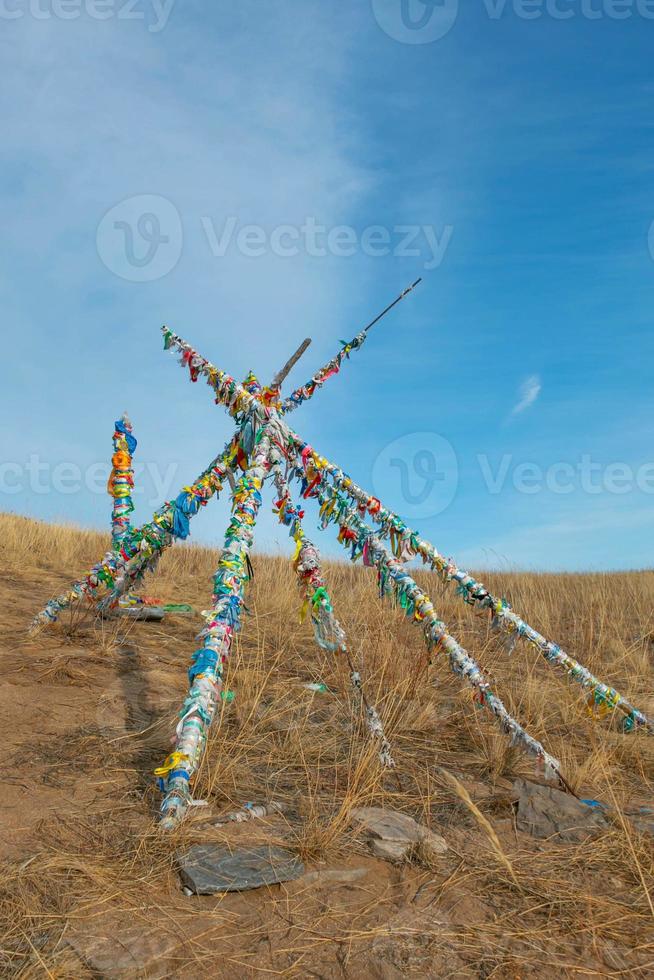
281,376
383,313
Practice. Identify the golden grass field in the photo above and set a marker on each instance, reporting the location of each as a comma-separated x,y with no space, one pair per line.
88,709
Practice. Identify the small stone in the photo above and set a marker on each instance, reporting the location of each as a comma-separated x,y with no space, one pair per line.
391,850
544,812
395,835
387,824
208,869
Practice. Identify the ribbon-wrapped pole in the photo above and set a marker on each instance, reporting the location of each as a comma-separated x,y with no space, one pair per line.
361,540
121,481
308,390
408,543
222,622
236,397
329,633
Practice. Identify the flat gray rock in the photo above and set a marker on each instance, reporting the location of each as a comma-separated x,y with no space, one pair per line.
544,812
432,844
394,834
208,869
394,851
387,824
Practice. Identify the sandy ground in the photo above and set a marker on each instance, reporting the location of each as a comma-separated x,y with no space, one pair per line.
90,886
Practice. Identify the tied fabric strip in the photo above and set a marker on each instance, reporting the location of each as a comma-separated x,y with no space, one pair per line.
234,396
121,481
393,578
222,622
328,632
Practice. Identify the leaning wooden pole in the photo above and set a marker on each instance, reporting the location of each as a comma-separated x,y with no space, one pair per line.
259,438
121,481
328,632
408,542
333,366
363,542
222,623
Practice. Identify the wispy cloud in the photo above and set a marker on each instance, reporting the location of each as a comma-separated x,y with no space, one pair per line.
572,541
528,392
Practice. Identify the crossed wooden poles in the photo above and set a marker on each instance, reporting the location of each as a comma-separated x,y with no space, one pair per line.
265,449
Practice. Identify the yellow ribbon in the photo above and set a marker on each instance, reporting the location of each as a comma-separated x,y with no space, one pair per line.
172,762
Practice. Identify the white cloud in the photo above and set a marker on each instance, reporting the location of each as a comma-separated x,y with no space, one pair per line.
529,391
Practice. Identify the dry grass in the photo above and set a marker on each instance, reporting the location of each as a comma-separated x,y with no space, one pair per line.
90,709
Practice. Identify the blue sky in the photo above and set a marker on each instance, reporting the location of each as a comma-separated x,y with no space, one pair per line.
505,407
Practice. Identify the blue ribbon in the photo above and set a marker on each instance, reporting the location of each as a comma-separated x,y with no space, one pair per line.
203,660
129,438
181,527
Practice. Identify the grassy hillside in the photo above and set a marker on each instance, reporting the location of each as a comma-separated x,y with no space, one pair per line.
87,710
